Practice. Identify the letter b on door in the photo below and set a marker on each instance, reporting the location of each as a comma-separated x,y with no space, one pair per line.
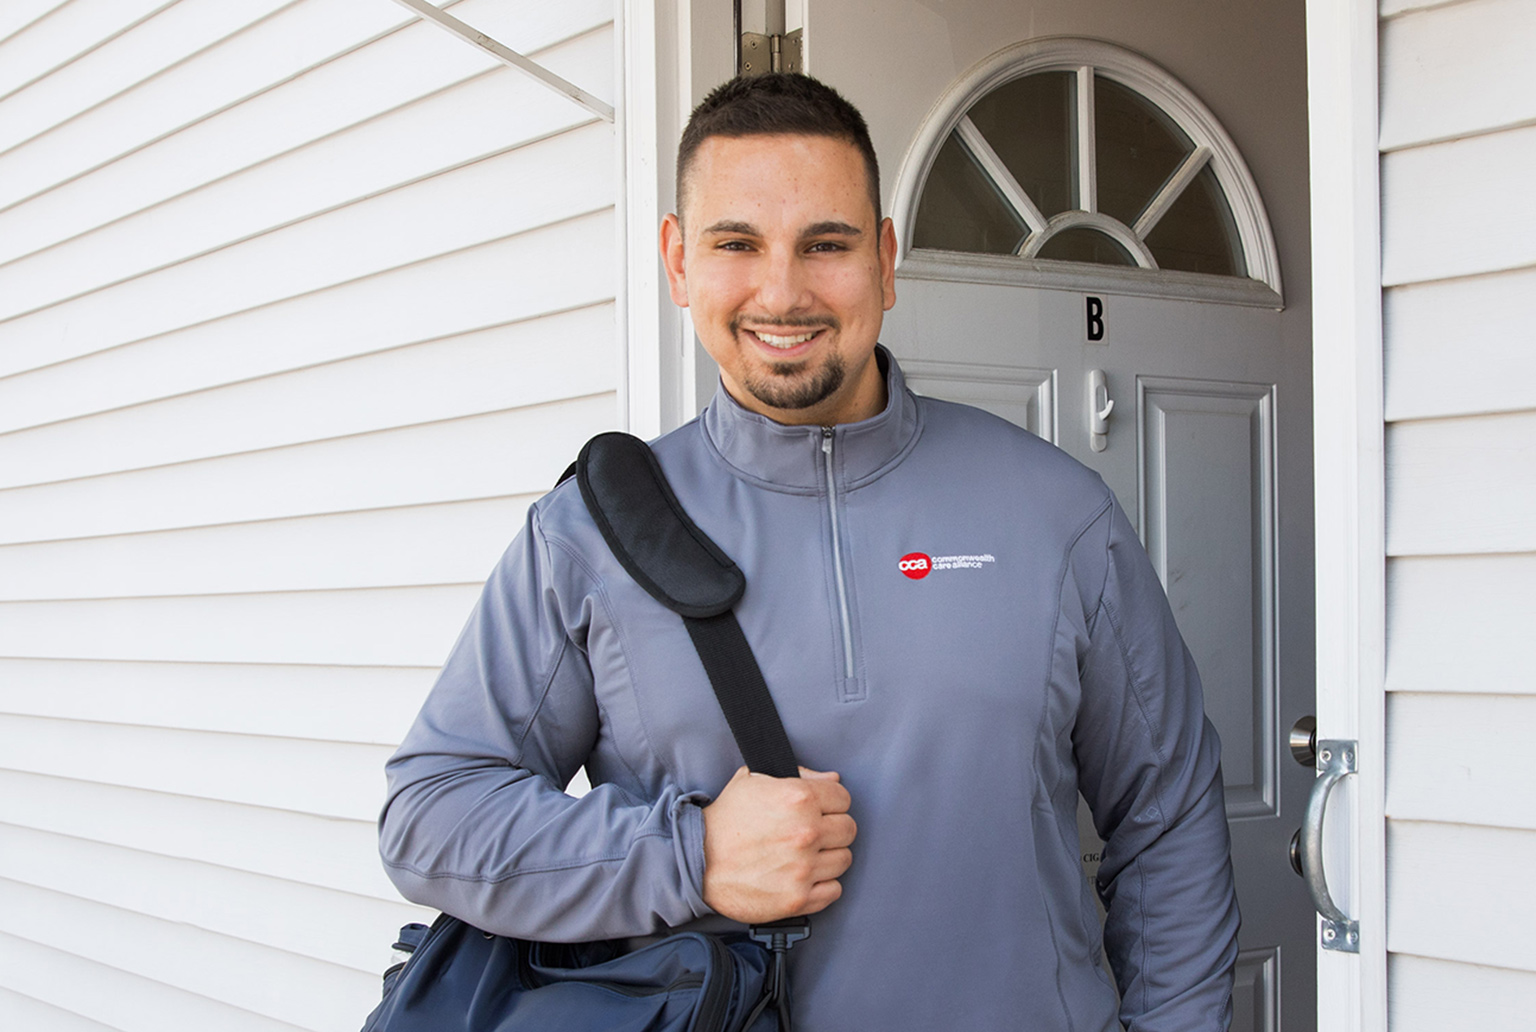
1095,318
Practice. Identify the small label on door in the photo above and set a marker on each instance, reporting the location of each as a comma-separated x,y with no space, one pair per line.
1095,319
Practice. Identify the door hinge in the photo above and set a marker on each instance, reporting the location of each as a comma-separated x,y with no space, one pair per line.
761,53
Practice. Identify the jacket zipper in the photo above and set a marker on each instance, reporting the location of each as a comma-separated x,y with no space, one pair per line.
837,555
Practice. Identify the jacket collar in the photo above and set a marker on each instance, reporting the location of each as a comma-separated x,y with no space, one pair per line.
791,457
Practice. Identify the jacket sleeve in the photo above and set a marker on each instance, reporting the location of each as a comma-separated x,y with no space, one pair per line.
476,823
1149,767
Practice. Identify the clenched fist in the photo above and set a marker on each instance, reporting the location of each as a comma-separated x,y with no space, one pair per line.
775,847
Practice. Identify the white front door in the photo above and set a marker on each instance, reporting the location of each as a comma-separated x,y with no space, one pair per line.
1203,405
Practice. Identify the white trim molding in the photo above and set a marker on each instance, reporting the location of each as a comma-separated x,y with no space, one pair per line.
1084,58
655,340
1014,271
1342,84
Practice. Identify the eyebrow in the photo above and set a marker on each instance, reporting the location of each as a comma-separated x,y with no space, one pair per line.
728,226
831,227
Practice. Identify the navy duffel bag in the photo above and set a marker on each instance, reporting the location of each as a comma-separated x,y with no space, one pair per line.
460,979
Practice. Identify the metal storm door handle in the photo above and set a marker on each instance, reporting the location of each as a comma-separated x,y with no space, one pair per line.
1100,405
1335,762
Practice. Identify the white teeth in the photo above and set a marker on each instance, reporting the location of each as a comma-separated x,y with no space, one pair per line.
783,342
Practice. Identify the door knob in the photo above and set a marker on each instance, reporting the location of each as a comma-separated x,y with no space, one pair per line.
1303,741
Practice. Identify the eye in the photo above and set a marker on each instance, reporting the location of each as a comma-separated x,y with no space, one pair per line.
827,247
733,245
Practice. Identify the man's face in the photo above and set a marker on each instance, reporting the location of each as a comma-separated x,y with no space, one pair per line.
787,272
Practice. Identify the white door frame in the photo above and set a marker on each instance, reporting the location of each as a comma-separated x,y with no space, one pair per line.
1348,473
653,47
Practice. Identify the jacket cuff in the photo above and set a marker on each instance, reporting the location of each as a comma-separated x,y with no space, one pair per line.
688,841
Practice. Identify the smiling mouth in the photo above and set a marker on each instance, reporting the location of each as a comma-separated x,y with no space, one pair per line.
783,341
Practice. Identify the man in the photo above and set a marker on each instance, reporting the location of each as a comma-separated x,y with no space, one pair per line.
951,709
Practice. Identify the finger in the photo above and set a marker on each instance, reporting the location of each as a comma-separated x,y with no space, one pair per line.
822,895
830,796
819,775
831,864
838,830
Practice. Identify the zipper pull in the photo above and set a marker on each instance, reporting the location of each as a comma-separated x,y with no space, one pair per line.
826,440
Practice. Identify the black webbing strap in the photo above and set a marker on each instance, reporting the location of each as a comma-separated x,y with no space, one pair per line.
656,541
743,694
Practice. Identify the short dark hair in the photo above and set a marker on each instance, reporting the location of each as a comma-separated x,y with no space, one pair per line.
780,102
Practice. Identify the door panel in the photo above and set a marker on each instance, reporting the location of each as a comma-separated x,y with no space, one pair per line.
1207,519
1256,996
1024,397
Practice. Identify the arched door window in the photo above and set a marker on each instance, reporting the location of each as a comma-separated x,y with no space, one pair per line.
1060,153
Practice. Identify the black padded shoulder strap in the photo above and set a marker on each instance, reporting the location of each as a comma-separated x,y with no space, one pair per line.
678,565
650,534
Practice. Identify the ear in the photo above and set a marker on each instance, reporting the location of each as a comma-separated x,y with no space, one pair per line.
672,259
888,263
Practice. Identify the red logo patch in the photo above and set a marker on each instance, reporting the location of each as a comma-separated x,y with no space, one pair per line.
915,565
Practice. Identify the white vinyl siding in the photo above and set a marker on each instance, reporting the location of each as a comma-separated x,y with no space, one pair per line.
302,302
1435,995
1458,138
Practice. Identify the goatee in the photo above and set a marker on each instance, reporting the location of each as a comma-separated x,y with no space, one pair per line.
784,391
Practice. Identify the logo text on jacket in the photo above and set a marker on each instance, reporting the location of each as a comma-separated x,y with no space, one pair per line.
918,565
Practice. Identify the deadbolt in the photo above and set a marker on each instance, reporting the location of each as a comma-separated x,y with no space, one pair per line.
1304,741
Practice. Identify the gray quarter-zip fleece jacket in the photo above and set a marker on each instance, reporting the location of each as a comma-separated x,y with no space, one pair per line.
949,612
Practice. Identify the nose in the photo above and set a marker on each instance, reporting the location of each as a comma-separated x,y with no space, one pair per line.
783,287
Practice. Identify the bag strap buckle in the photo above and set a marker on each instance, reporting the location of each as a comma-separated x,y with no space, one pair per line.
779,938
